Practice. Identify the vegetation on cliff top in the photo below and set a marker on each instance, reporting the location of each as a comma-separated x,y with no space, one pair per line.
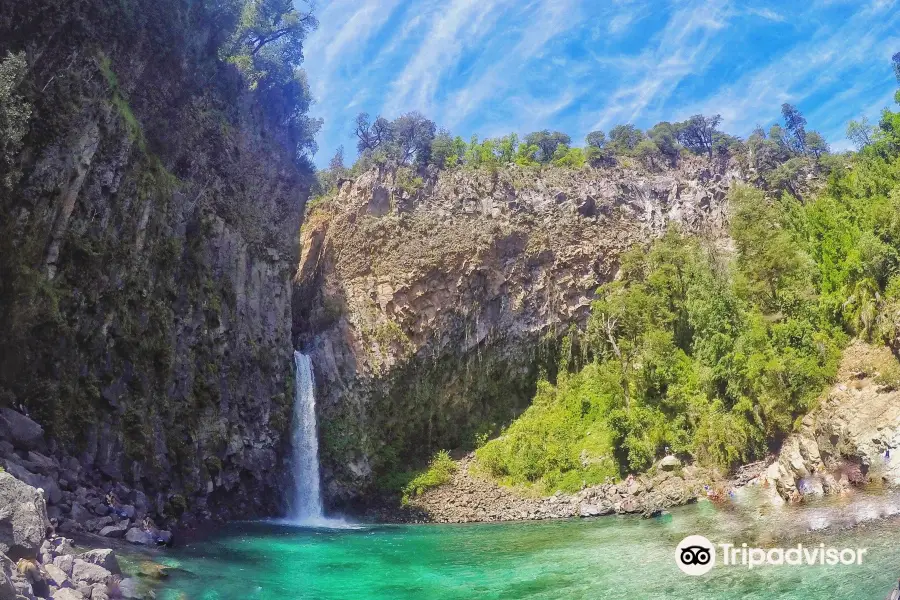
778,159
715,355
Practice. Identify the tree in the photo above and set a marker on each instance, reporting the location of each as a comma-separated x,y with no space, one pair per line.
860,133
445,149
506,148
337,161
697,133
816,145
648,153
267,47
547,143
795,123
596,139
411,137
624,138
370,137
895,63
665,136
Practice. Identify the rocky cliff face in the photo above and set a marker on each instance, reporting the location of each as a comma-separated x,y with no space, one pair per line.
149,212
852,438
429,304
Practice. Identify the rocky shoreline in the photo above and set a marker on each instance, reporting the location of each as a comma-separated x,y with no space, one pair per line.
80,500
37,563
469,497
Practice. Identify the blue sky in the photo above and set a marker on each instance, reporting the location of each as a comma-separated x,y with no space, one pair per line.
490,67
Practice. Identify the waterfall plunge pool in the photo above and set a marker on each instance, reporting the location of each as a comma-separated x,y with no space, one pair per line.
609,557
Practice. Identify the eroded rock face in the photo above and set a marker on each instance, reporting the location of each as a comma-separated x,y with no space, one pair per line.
429,309
852,438
23,518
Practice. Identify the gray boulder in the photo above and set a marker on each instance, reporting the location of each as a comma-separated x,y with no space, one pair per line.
80,514
23,518
98,523
594,510
116,530
56,576
100,592
24,433
139,536
669,463
52,493
7,589
84,572
105,558
65,563
67,594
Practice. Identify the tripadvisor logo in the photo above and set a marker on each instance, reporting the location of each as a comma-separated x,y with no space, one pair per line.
696,555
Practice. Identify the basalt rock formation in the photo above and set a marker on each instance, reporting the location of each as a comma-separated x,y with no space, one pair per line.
149,213
429,304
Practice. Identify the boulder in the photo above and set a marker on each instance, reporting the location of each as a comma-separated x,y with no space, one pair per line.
593,510
115,531
98,524
79,513
669,463
67,594
52,492
61,545
7,589
42,464
139,536
23,518
106,558
89,573
65,563
130,589
56,576
24,433
100,592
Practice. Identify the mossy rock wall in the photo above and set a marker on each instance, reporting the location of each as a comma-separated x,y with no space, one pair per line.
148,232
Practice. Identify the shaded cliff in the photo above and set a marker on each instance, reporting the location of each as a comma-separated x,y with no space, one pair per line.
149,207
430,304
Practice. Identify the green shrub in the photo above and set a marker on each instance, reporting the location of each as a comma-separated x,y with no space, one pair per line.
440,470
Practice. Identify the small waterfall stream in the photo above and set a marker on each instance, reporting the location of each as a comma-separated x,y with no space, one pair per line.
306,506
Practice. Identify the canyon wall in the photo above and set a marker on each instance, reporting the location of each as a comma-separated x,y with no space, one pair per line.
431,303
150,204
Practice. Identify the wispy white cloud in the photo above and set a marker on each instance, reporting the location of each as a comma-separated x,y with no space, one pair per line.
494,66
831,56
684,48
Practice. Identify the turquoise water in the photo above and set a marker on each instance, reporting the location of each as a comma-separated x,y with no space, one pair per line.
610,558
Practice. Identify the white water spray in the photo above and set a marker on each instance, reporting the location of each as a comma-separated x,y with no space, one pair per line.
306,506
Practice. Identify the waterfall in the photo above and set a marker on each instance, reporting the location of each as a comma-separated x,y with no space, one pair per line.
307,502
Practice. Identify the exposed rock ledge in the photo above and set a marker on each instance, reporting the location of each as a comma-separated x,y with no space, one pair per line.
852,438
471,498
